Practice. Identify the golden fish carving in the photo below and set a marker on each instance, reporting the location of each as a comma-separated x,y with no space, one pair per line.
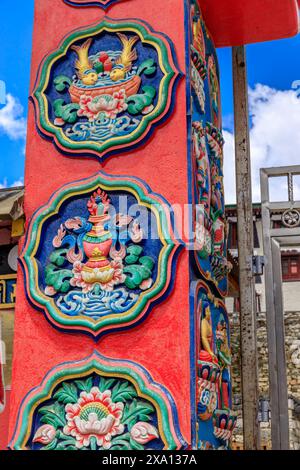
124,62
84,66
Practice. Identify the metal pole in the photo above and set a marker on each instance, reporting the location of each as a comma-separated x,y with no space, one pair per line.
275,310
245,247
282,414
270,313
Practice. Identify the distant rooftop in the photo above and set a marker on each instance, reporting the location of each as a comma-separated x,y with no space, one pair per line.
11,203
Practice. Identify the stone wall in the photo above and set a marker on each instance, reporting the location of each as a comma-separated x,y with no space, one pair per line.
292,332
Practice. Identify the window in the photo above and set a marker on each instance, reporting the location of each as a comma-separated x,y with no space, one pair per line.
233,235
291,267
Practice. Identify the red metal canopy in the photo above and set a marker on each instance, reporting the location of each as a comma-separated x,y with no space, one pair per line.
238,22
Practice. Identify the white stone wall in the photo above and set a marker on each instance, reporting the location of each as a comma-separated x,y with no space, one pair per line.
292,339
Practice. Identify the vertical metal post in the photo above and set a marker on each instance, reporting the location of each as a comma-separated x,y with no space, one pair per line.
275,310
280,421
245,247
270,313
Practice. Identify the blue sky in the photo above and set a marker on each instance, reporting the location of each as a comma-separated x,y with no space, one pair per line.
15,39
275,65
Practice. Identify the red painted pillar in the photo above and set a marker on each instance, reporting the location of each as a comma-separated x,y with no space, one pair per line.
158,343
110,305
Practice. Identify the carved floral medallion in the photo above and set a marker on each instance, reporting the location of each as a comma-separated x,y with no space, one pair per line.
105,88
99,253
97,404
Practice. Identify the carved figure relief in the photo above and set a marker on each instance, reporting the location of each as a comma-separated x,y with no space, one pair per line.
210,230
215,417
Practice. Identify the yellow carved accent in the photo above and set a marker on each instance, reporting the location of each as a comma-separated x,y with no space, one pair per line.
3,292
17,228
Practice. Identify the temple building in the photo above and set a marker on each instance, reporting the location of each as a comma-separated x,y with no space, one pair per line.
291,293
11,228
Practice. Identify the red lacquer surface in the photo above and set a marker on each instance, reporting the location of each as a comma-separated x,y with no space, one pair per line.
161,343
237,22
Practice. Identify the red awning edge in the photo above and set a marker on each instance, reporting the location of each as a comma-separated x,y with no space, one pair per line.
239,22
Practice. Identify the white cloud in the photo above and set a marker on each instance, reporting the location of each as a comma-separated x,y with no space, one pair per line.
19,182
274,136
12,122
4,184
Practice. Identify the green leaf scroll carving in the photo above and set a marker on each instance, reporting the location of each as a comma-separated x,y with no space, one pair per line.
62,83
139,103
67,112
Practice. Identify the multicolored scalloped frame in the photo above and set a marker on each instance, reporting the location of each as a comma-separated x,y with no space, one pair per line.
91,3
166,260
146,388
165,100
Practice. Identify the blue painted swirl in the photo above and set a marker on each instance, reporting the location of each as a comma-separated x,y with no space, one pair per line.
97,303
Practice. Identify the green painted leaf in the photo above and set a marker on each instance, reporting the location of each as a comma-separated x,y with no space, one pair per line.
58,278
131,259
144,417
137,103
106,384
58,257
148,262
134,251
67,394
51,446
135,445
68,444
57,105
121,442
85,385
135,275
133,411
53,414
67,112
148,67
62,82
123,391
